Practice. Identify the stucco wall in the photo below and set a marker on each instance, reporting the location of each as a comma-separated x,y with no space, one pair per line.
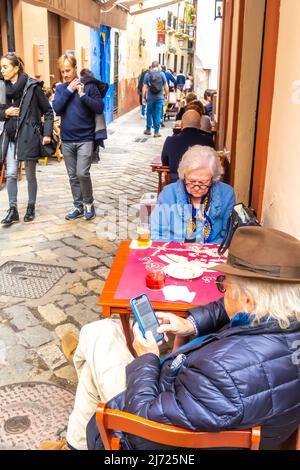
252,43
82,41
232,74
207,46
35,31
281,206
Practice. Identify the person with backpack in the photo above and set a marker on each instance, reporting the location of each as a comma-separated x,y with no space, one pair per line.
155,84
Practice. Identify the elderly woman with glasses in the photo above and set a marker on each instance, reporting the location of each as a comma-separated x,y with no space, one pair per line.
195,208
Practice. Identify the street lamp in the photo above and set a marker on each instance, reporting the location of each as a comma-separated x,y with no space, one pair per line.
218,9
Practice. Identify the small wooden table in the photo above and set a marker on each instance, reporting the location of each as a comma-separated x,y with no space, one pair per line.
111,306
161,170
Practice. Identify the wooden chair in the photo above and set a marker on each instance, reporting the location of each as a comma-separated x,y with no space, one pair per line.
109,420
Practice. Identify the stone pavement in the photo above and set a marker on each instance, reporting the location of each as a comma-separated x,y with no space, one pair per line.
30,330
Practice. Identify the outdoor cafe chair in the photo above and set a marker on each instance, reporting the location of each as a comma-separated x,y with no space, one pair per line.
109,420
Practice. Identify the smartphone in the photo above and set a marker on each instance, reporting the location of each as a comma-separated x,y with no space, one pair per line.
145,316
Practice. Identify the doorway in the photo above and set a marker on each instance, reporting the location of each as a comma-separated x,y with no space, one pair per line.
116,73
54,41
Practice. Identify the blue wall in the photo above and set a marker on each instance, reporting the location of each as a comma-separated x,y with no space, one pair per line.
101,64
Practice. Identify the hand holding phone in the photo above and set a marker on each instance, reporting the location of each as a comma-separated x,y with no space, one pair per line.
143,345
145,316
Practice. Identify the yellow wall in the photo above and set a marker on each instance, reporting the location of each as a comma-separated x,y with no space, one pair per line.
35,31
281,207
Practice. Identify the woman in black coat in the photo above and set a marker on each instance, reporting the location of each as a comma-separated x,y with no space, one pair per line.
22,109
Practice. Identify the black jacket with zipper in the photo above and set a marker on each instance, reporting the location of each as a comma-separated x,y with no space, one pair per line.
34,105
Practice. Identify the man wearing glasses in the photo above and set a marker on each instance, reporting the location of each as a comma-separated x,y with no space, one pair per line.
196,208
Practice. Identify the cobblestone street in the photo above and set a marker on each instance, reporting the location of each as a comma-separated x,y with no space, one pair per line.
31,329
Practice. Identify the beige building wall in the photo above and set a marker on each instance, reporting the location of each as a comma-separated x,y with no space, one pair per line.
232,74
82,46
35,31
281,206
250,69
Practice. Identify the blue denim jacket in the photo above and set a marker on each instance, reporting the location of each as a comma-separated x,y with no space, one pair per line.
172,213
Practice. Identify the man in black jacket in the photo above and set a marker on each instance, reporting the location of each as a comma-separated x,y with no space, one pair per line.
77,104
176,146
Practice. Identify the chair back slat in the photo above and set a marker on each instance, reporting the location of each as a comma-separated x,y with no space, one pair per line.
109,420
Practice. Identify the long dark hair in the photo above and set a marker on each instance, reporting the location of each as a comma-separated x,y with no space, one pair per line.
15,60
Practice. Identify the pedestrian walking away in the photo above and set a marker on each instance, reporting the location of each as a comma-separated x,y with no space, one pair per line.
78,104
155,84
23,103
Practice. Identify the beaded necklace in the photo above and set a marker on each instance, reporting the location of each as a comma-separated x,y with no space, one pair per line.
201,214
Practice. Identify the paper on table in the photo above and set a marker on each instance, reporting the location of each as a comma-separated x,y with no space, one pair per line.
174,293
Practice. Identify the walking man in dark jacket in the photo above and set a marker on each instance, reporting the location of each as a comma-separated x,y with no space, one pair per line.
77,104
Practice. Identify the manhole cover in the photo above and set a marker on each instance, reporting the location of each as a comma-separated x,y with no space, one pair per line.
33,412
29,280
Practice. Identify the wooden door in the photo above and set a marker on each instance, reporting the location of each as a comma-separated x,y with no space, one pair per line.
54,41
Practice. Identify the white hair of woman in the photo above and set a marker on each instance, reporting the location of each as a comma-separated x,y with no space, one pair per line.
279,301
199,157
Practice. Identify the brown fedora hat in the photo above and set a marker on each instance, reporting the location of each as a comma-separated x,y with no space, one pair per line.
263,253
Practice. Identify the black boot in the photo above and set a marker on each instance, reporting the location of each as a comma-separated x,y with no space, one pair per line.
30,213
12,216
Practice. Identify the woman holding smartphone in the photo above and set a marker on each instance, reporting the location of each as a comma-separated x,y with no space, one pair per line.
25,104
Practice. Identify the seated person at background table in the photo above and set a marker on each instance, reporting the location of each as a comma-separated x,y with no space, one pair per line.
244,373
193,103
188,99
208,98
195,208
176,145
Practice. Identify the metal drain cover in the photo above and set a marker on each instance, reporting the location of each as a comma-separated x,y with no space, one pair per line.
29,280
32,412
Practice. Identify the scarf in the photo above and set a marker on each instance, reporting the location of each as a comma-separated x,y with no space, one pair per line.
14,93
203,214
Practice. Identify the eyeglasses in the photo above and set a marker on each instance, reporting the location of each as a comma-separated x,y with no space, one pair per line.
220,284
199,184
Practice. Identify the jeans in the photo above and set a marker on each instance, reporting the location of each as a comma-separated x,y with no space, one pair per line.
12,177
143,110
154,113
78,159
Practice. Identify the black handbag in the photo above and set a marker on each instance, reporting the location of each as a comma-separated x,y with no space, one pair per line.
241,216
49,149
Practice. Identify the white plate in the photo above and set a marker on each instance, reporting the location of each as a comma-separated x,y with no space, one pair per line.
183,270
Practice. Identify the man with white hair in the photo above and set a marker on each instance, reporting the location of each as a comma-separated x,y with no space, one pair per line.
176,145
240,371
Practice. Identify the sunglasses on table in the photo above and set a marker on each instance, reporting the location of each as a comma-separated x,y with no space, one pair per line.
220,283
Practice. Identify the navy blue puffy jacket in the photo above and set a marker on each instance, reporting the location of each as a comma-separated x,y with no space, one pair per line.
239,377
